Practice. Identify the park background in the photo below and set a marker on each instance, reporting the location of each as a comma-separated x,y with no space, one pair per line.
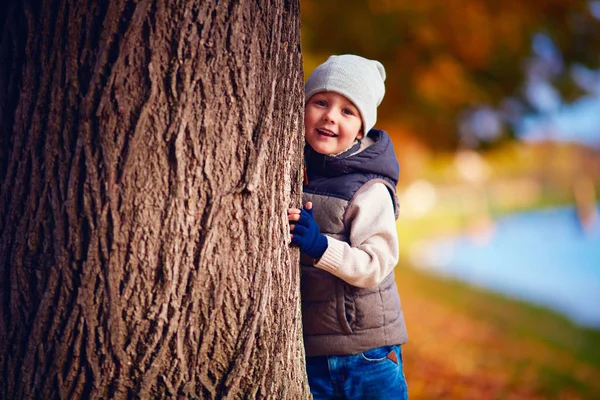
494,111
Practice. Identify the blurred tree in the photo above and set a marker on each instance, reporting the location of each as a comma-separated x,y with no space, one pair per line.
148,151
445,60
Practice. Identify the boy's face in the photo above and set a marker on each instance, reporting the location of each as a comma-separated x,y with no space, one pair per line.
331,123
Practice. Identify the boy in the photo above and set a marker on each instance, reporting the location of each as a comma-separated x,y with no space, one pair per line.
352,319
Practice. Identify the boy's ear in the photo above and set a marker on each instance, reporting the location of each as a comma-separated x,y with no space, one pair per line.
361,134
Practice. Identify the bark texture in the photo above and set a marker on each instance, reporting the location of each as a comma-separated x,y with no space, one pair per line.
148,153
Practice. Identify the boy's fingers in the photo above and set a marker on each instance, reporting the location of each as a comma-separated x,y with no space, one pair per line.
293,213
308,209
293,217
305,218
292,227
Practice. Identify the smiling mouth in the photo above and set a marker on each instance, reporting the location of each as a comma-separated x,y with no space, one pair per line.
326,132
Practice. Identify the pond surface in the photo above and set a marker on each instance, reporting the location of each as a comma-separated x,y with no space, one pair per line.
543,257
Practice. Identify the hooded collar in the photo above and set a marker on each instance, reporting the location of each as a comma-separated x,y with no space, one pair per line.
372,155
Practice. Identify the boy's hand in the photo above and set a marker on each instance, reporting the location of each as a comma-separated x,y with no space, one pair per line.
305,232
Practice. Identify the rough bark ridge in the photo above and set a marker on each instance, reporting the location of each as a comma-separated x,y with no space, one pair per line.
148,153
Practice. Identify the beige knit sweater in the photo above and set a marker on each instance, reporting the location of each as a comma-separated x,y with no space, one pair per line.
373,250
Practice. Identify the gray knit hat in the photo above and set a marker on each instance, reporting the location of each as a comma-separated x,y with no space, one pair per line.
359,79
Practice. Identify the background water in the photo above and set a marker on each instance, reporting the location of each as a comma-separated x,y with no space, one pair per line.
541,256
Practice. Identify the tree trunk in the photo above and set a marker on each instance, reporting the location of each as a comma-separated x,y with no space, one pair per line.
148,154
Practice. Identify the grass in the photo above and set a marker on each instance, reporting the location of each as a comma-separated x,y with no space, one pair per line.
466,342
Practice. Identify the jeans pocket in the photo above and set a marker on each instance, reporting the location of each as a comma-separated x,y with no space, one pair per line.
378,354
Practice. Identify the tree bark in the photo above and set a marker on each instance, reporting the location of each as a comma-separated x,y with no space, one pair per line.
148,153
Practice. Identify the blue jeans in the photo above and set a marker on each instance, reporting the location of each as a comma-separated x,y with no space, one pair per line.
374,374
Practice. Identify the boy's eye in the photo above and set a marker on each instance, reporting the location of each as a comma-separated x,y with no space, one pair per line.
320,102
347,111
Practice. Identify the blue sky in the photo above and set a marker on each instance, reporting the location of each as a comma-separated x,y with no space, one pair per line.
578,122
556,120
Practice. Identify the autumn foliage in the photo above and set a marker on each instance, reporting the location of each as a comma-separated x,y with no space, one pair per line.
445,59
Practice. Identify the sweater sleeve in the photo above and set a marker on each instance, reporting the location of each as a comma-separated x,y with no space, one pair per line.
373,250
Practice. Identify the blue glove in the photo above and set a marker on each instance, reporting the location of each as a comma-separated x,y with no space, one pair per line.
307,235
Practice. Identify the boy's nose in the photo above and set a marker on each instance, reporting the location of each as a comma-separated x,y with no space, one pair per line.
328,116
